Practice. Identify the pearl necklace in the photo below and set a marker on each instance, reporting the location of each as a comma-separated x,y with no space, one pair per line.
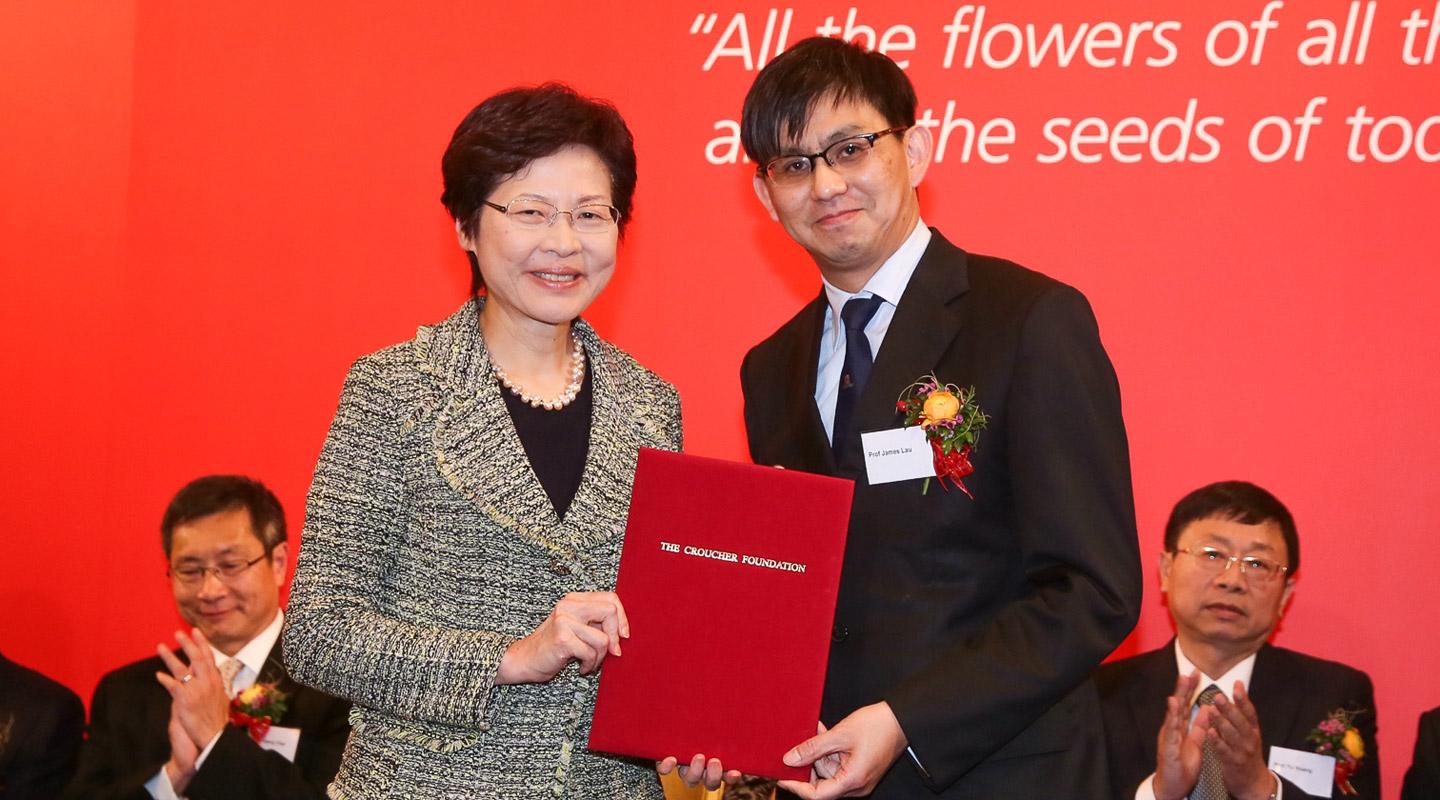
577,377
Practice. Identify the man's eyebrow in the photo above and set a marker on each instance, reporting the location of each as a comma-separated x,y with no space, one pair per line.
846,131
836,134
224,551
1228,545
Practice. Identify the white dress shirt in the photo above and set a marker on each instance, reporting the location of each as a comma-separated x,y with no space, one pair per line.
1226,683
252,659
888,283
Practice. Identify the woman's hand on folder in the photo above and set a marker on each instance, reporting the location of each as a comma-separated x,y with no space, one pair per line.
711,773
850,758
583,627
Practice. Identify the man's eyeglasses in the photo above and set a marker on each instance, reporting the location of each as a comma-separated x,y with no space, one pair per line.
1216,561
529,213
844,155
225,571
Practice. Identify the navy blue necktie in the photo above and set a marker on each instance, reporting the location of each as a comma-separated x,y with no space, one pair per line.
858,359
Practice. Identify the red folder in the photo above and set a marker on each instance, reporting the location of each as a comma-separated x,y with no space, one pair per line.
728,577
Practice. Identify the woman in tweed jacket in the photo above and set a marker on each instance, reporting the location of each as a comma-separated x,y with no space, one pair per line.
458,547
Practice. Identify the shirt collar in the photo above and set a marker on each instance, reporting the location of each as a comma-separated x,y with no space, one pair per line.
257,650
1240,672
889,282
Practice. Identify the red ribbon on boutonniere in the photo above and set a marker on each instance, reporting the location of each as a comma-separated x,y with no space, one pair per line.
1337,737
258,726
257,708
952,422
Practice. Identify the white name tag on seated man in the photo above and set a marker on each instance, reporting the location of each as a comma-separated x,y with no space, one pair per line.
282,740
1312,772
899,454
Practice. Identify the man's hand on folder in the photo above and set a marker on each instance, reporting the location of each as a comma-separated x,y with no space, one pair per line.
711,773
582,627
850,758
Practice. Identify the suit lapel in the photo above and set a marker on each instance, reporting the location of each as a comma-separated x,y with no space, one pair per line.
480,455
1276,698
1147,698
803,424
617,413
476,447
273,671
925,326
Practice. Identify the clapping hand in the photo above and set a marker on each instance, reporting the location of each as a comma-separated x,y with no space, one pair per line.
197,691
1181,744
183,753
199,704
1236,736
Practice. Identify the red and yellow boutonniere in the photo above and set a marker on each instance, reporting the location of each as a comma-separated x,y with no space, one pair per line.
952,423
1338,737
257,708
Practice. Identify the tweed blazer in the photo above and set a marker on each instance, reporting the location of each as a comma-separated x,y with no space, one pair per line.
430,546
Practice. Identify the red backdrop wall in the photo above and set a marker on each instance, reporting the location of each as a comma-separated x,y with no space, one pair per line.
208,210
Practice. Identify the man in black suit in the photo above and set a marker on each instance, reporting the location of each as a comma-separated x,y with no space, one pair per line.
41,725
162,727
1231,554
965,628
1422,780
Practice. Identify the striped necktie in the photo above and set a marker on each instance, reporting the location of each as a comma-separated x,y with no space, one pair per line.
1211,785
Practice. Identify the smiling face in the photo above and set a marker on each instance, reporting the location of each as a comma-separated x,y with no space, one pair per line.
546,275
1228,610
229,611
851,221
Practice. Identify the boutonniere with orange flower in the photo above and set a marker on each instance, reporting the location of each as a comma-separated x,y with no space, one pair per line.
257,708
952,422
1337,736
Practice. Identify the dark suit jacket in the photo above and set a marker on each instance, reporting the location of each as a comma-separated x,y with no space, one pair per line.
978,621
41,725
1292,693
1422,781
127,743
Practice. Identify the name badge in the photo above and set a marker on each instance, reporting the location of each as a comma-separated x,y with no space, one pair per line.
1312,772
899,454
282,740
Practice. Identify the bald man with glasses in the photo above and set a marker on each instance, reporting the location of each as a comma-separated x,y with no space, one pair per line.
162,727
1219,712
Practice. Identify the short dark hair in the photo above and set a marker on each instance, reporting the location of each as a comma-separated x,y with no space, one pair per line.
787,90
1236,501
215,494
501,136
